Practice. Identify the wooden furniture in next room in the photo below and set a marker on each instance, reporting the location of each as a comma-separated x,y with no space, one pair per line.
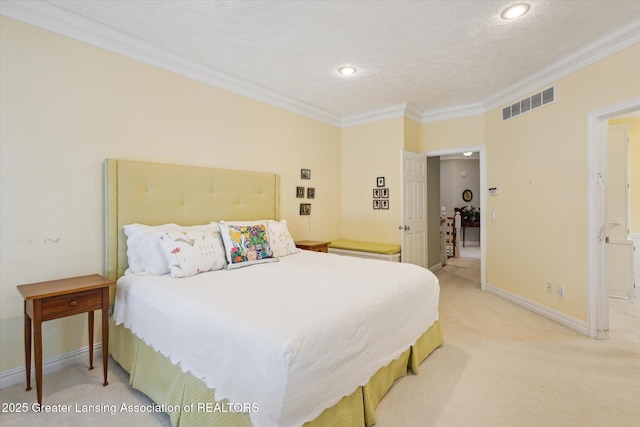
61,298
312,245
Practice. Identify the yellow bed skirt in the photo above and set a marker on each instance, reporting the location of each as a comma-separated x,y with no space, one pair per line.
185,396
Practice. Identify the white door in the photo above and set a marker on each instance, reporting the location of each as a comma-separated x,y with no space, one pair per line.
619,248
413,229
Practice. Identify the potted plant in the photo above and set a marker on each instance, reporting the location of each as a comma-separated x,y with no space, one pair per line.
471,213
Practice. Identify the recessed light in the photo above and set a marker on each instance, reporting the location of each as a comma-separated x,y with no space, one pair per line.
515,11
468,153
347,70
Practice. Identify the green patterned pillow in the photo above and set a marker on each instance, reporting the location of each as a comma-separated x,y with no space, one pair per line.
246,245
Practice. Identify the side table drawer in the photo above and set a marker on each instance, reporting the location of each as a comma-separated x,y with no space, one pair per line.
67,305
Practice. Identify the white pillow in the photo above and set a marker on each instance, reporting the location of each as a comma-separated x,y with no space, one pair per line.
280,239
192,252
144,251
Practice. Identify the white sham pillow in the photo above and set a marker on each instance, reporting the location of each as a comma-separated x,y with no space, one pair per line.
281,241
144,251
193,252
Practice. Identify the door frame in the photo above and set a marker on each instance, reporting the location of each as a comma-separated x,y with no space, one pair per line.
481,149
597,174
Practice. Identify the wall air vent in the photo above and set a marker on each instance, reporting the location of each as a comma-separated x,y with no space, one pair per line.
532,102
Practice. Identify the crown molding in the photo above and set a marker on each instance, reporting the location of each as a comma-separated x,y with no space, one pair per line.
589,54
392,112
452,113
50,17
57,20
413,112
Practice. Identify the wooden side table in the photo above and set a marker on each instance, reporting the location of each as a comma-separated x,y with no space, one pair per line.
60,298
313,245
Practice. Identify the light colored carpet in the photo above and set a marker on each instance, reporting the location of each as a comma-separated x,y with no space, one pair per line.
500,365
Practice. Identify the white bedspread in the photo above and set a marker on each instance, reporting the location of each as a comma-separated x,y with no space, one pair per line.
293,337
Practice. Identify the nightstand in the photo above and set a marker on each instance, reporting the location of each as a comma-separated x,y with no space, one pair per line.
314,246
61,298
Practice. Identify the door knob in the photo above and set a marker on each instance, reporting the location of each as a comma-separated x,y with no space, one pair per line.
406,227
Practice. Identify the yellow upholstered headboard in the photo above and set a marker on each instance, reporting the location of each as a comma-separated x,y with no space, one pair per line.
155,193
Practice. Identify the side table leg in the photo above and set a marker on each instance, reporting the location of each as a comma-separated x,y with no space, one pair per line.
91,340
27,346
37,338
105,333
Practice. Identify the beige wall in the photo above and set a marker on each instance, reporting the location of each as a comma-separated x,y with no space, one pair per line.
370,151
66,106
411,135
452,133
538,162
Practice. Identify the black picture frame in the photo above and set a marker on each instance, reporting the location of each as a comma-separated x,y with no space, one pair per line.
384,193
305,208
467,195
300,192
376,193
380,181
305,173
376,204
311,193
384,204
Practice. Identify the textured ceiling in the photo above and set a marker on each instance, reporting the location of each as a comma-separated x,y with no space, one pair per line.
435,55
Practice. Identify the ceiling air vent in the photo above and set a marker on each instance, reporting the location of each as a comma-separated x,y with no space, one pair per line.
532,102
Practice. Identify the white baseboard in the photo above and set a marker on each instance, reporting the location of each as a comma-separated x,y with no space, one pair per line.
15,376
563,319
436,267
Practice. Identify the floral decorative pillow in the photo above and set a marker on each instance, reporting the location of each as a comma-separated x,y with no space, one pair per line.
280,239
192,252
246,244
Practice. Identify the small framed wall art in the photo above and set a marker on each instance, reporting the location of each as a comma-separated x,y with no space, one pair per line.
380,181
311,193
381,197
305,208
305,173
300,192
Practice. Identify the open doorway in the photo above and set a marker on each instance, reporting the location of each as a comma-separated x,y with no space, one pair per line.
476,197
598,218
460,193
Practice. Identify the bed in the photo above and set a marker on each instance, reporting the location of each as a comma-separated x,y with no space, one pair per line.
301,339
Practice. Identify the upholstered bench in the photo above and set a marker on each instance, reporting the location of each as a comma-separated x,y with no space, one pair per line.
372,250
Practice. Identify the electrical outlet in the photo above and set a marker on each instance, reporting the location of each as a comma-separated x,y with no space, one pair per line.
549,288
561,291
